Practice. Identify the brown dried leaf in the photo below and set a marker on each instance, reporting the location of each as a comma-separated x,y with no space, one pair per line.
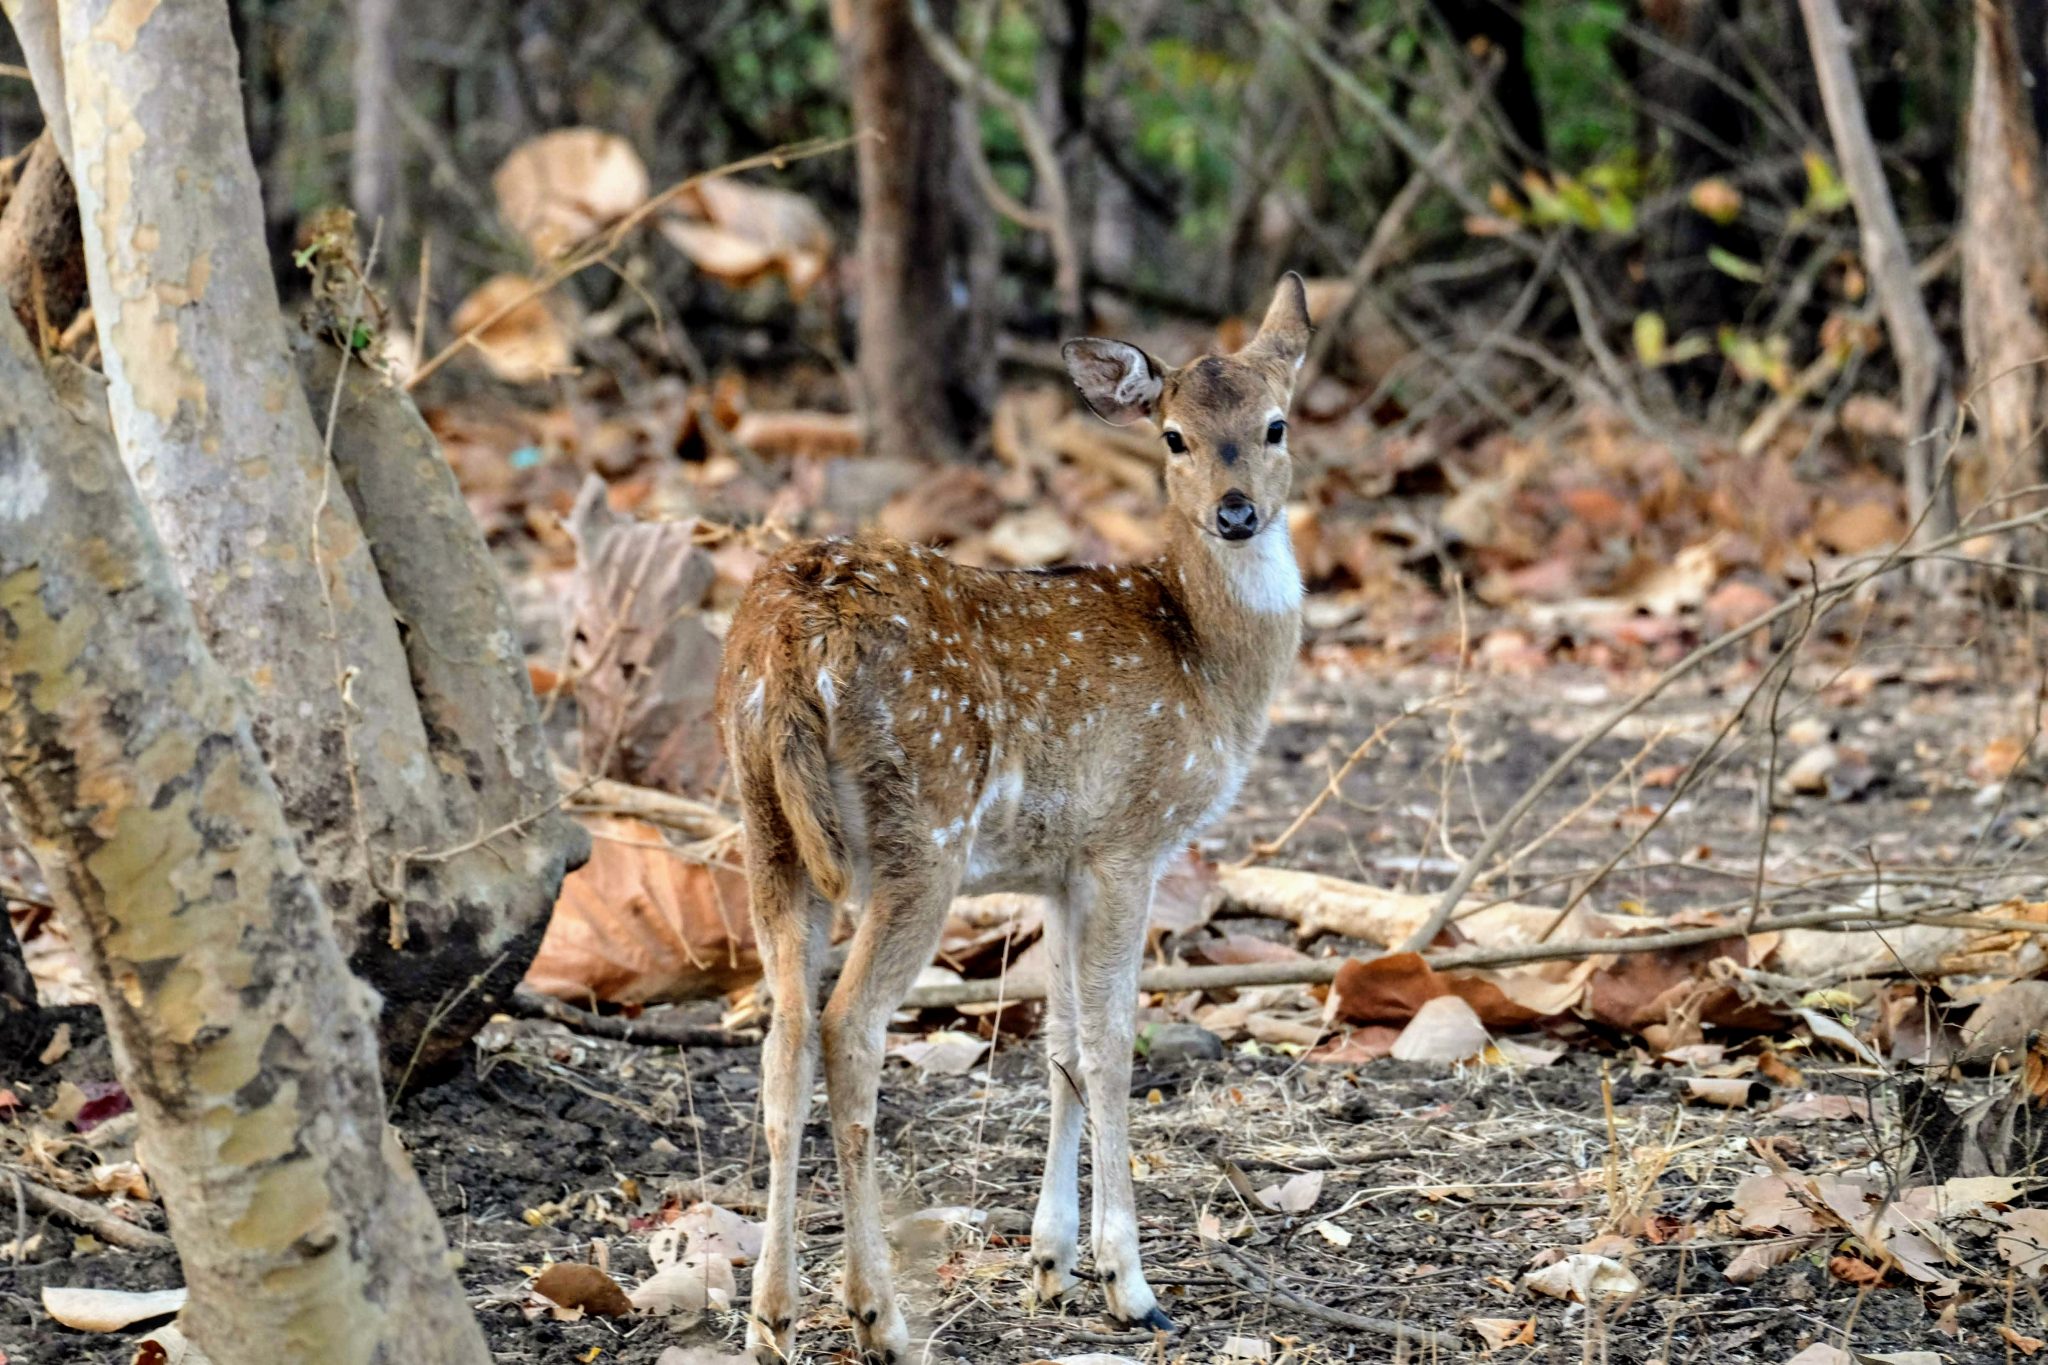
746,231
808,435
524,342
576,1285
564,185
1729,1092
645,665
1854,1270
2019,1341
639,924
1750,1263
1497,1334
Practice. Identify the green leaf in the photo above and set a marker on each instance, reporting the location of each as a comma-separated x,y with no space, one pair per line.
359,337
1651,338
1825,192
1728,263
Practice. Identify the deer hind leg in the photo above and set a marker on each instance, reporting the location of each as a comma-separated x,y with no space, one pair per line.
1056,1228
791,924
898,934
1112,904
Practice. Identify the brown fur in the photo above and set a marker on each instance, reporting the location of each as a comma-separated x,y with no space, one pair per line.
904,728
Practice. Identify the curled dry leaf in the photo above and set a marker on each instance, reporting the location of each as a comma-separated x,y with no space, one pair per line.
1730,1092
1583,1278
1750,1263
520,338
109,1310
1444,1030
1498,1334
720,1232
740,232
1298,1194
168,1346
562,186
692,1283
577,1286
945,1053
2019,1341
1246,1348
639,923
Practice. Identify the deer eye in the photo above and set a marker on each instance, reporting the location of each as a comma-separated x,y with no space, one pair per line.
1175,444
1276,433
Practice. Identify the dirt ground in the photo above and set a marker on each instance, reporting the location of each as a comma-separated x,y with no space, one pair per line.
1441,1187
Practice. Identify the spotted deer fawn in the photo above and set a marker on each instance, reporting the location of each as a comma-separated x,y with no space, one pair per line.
904,729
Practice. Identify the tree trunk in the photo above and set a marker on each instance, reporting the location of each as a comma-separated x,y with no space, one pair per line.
373,152
440,878
2005,261
907,357
1923,361
244,1043
1496,25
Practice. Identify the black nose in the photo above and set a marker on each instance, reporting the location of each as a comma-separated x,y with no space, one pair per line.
1237,516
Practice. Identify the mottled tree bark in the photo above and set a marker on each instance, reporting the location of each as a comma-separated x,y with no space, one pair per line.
480,898
247,1047
421,805
2005,261
907,357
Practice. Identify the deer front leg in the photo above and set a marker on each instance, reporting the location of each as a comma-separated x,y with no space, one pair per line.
790,924
1056,1229
1112,939
897,936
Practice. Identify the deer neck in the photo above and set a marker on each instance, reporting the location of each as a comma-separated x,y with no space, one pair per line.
1243,606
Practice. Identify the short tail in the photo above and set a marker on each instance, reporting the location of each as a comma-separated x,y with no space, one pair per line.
803,786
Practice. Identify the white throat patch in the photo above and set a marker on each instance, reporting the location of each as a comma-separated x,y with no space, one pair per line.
1263,576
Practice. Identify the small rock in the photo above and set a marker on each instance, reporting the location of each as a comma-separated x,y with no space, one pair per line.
1167,1044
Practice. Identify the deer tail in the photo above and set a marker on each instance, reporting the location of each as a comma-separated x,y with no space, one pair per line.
803,786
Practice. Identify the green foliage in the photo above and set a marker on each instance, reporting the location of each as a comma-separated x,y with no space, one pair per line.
1571,62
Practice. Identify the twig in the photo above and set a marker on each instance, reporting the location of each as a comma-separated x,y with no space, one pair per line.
1384,232
1322,970
1241,1268
1268,848
600,245
528,1003
102,1223
1056,219
1852,577
602,796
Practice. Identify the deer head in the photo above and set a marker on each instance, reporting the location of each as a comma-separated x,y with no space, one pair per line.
1223,418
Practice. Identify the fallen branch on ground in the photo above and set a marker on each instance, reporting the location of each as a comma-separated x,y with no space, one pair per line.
602,796
1816,600
531,1004
101,1222
1240,1268
1322,970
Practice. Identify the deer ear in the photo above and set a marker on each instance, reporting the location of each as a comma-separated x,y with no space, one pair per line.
1285,331
1119,382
